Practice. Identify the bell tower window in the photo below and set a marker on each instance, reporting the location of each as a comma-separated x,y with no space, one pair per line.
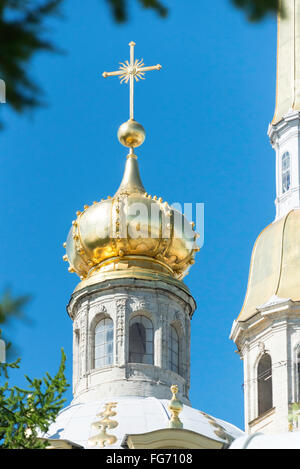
298,373
141,337
286,172
104,341
264,383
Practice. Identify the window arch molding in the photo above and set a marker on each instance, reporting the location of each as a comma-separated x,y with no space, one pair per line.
98,317
176,323
141,338
147,314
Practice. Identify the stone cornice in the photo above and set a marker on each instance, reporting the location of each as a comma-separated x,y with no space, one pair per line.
267,315
292,117
102,287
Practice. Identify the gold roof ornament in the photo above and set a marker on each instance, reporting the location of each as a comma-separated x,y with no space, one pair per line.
130,234
105,423
175,406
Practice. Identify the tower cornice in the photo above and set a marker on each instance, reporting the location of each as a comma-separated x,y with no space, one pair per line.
180,290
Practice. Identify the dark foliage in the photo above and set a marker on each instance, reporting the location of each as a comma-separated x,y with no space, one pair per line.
12,308
21,36
257,9
120,8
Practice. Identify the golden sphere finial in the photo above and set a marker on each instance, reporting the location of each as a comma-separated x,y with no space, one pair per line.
131,134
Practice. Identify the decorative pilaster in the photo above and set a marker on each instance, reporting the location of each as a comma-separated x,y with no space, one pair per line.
76,354
163,311
83,344
120,330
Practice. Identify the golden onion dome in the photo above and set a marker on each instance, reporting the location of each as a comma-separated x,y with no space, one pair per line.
275,265
130,234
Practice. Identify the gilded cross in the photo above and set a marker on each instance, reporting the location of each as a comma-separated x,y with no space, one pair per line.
130,71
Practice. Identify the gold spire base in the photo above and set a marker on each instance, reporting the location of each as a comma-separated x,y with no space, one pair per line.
139,267
131,182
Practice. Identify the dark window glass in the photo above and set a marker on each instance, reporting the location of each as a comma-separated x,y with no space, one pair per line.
264,379
141,340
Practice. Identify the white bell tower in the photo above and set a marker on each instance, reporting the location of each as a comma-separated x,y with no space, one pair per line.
267,330
284,130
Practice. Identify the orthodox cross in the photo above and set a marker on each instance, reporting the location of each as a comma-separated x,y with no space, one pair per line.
130,71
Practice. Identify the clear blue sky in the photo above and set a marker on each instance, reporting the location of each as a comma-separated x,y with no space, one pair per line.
206,115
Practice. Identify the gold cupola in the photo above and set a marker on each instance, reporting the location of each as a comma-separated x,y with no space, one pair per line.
131,234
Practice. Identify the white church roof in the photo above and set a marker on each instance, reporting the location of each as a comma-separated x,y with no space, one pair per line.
135,415
289,440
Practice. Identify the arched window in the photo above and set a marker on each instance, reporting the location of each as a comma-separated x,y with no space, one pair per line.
298,372
286,171
141,340
173,346
104,342
264,382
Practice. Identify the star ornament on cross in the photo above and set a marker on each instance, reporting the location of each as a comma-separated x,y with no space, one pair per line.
130,71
